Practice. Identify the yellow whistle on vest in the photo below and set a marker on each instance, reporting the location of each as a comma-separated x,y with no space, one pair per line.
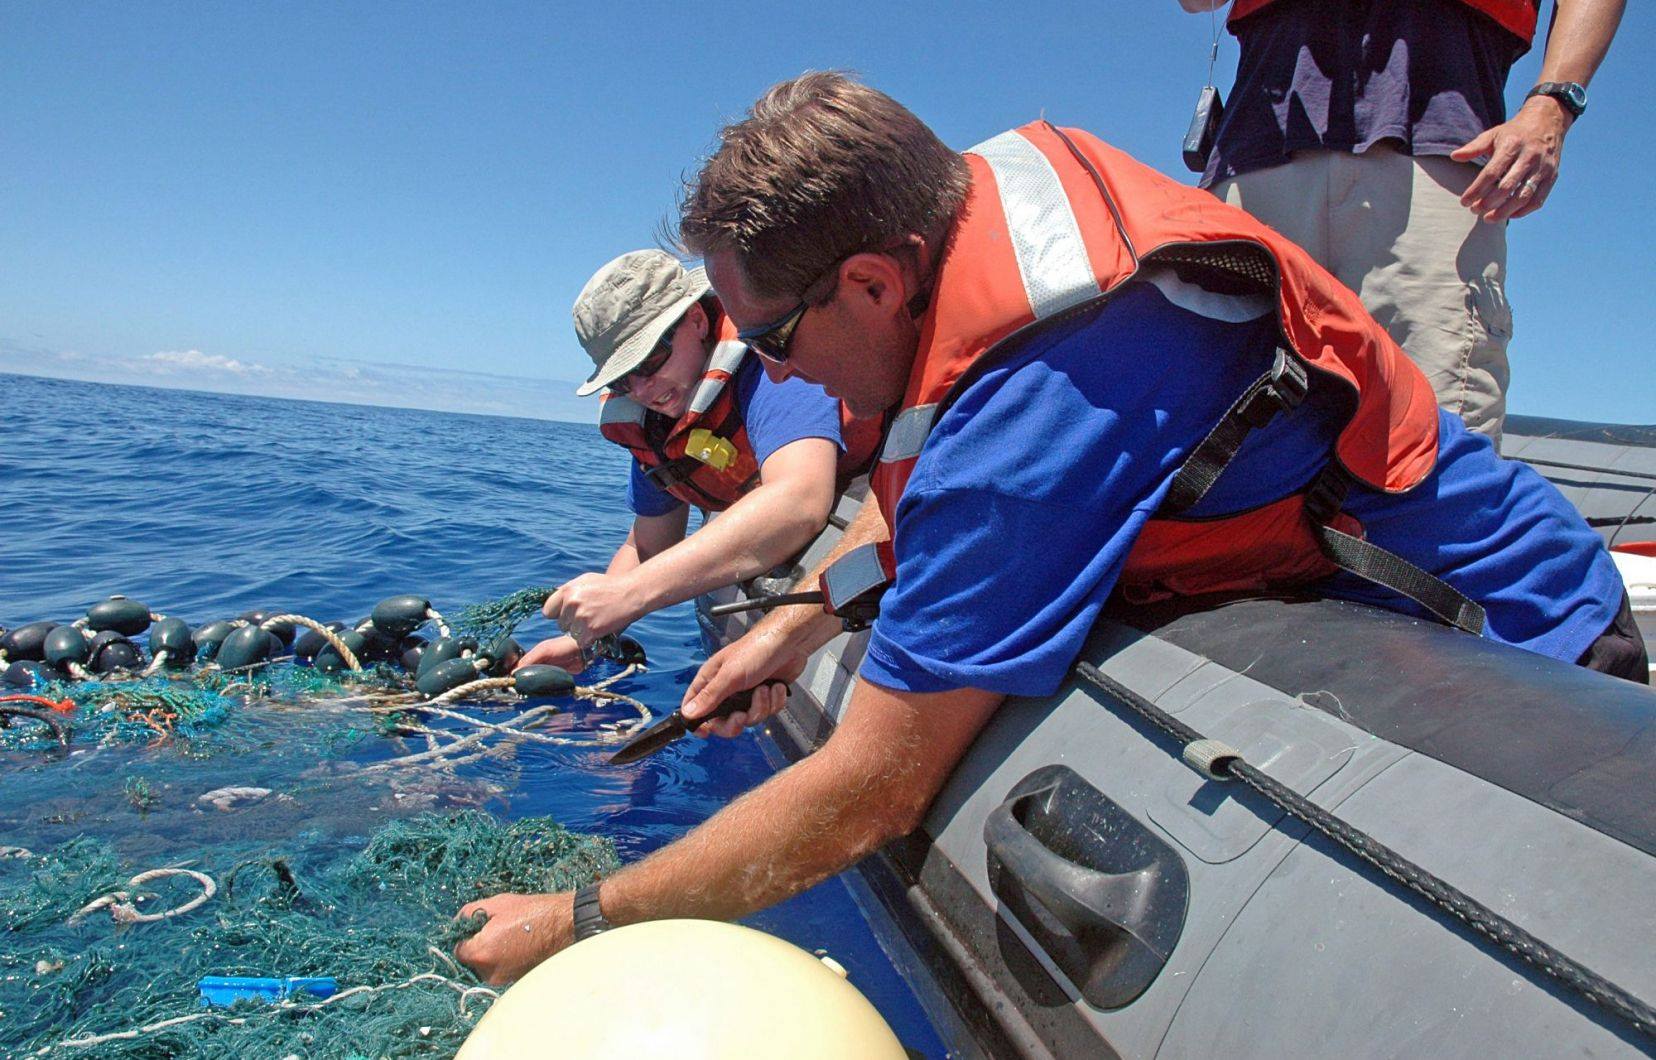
717,453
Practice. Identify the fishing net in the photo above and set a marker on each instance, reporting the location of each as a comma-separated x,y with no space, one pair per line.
494,618
279,820
375,915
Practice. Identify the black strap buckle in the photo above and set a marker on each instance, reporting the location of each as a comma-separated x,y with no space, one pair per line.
673,473
1281,391
1327,494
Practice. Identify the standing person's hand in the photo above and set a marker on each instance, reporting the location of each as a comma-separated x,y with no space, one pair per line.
760,656
1523,161
592,606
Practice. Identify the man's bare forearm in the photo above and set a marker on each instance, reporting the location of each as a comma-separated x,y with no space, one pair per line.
1580,38
754,535
870,783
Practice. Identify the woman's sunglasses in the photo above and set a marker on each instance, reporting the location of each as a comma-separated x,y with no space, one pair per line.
651,365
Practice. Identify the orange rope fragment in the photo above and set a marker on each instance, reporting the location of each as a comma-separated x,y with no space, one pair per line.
62,706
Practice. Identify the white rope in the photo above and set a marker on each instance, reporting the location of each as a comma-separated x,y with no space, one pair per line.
436,616
485,684
465,992
327,634
122,911
628,671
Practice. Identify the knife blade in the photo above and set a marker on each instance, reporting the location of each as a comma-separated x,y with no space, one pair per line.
676,725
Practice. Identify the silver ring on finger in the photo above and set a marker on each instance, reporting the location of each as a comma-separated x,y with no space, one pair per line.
1527,188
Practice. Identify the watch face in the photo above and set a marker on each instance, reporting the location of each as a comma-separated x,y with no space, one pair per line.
1576,94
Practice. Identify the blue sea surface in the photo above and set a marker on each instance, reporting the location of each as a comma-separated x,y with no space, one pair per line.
205,506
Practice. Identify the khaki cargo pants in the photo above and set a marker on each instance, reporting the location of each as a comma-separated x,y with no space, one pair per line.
1391,227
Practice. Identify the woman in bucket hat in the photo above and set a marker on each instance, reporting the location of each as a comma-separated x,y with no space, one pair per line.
705,426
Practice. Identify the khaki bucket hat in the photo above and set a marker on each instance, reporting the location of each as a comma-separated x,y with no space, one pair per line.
627,306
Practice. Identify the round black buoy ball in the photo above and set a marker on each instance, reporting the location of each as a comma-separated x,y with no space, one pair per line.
446,675
628,652
65,645
110,651
118,615
499,658
31,675
283,631
542,680
409,650
442,650
398,616
329,661
172,635
247,648
209,637
311,642
27,642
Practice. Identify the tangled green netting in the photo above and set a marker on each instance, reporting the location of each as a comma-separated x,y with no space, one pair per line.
187,705
369,913
495,618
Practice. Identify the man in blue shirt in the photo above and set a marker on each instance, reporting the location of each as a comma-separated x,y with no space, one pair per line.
1040,469
653,330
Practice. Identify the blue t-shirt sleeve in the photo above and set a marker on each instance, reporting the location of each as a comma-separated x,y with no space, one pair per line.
1015,526
645,497
777,414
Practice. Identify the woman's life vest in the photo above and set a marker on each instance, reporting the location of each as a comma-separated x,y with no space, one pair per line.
1054,222
1516,16
704,457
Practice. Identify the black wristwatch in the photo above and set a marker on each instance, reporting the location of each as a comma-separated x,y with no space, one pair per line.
589,919
1571,95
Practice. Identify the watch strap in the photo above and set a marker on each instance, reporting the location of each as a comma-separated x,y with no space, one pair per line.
1571,95
589,918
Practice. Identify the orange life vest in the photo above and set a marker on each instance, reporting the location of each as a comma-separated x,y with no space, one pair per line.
1516,16
704,457
1055,221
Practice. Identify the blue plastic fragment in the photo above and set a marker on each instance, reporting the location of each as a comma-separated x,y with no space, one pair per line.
222,991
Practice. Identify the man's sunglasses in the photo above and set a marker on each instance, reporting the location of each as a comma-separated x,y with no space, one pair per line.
650,366
771,341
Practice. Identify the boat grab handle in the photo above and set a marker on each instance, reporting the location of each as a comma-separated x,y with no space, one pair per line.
1100,893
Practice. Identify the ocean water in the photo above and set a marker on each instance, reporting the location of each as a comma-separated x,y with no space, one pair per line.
204,506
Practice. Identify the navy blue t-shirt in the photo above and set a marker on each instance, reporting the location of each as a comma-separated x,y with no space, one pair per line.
775,414
1034,485
1343,75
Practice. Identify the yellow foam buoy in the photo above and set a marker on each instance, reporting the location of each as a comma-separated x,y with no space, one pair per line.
690,989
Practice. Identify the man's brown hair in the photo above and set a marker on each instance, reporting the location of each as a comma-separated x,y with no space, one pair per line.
821,168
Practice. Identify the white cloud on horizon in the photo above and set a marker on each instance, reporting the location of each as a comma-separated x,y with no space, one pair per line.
170,361
328,380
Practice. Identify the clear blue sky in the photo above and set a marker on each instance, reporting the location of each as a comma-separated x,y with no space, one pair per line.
396,203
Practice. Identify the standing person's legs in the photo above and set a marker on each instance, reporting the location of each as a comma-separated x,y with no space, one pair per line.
1392,228
1292,198
1430,272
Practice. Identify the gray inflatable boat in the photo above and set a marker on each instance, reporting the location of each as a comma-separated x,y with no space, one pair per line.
1079,889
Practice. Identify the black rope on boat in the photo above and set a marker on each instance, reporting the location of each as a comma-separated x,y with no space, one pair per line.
1503,932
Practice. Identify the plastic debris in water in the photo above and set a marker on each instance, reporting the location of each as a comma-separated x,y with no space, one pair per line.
222,991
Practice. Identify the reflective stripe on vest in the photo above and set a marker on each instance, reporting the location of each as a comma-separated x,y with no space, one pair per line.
721,368
1052,224
1046,239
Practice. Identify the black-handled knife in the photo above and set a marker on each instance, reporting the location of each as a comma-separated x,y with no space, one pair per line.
676,724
